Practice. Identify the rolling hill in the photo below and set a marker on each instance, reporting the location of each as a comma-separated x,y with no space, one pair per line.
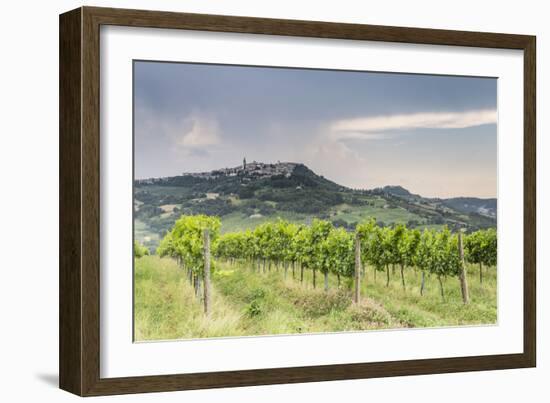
253,193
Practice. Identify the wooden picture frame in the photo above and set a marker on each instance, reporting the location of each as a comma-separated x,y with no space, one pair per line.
79,348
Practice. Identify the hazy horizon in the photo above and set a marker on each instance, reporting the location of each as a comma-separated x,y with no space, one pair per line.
433,135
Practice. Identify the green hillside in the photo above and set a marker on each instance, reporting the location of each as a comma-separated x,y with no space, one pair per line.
246,198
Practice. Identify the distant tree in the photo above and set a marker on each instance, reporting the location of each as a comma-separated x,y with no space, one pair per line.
140,250
245,192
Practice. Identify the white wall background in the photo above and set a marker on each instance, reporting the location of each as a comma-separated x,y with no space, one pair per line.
29,198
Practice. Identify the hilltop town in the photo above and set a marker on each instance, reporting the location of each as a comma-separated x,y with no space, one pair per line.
253,170
248,171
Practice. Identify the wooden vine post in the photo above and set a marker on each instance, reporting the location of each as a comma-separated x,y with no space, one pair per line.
207,290
462,275
356,295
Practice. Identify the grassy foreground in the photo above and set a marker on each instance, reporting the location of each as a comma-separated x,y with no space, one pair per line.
246,302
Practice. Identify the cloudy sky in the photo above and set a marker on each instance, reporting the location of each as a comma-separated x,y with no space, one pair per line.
434,135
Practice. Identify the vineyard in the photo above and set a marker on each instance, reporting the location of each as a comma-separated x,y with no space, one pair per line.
284,277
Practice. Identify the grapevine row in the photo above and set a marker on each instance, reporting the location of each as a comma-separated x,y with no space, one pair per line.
323,249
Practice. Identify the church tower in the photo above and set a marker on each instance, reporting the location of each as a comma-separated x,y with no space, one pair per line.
244,164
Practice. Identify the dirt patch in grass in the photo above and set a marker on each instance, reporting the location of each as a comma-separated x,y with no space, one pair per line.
369,314
168,208
315,304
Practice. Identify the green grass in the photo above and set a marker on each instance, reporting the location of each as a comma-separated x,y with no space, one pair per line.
166,307
430,310
387,215
239,222
246,301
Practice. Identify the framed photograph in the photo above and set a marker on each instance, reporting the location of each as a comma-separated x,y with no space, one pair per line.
248,201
